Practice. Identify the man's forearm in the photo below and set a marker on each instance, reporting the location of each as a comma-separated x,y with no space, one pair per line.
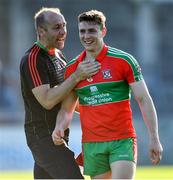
150,116
57,94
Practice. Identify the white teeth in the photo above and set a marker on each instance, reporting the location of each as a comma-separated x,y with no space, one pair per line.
60,39
88,42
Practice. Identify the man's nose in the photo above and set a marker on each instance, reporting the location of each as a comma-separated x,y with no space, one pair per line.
63,31
87,35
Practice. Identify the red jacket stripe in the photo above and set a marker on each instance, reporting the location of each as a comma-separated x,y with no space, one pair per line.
32,66
35,68
29,62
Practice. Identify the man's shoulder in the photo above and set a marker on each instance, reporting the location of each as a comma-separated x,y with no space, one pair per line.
26,54
24,59
117,53
33,53
73,61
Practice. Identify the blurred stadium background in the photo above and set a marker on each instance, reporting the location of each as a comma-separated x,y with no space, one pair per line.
143,28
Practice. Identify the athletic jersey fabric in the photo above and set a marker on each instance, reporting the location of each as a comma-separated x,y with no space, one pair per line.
104,99
39,67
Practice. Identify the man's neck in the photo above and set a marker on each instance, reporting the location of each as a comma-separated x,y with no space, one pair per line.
44,44
41,45
91,56
50,51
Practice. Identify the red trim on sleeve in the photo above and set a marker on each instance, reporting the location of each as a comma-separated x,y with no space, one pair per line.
33,67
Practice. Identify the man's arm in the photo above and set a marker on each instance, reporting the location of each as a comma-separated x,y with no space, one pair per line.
49,97
149,114
77,107
64,117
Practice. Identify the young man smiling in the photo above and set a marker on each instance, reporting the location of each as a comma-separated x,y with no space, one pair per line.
108,135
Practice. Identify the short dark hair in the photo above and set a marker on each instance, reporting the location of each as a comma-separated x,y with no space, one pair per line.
93,16
39,17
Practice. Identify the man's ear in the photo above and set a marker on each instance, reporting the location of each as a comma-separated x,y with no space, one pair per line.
104,30
41,31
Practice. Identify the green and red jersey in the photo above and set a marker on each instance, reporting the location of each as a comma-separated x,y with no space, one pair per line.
104,99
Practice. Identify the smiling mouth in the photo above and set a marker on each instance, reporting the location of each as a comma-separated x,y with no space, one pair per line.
60,40
88,42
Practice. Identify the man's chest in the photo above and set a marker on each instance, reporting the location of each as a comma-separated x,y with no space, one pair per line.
56,69
107,86
109,72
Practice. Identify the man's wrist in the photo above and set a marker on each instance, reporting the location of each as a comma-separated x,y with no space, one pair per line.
75,77
154,137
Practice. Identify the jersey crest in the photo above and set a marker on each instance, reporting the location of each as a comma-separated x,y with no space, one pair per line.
106,74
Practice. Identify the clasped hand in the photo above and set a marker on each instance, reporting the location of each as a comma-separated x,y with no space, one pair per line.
87,69
57,136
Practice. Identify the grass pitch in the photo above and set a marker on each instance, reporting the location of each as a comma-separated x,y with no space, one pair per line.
143,173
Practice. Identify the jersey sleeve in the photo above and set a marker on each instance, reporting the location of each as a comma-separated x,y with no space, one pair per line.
34,72
70,68
132,70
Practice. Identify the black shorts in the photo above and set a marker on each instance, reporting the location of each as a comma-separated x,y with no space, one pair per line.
53,161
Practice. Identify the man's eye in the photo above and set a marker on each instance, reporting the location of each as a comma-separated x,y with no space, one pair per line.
82,31
92,30
64,25
60,26
57,27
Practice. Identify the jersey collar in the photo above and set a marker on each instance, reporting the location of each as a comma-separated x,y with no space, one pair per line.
49,51
99,57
